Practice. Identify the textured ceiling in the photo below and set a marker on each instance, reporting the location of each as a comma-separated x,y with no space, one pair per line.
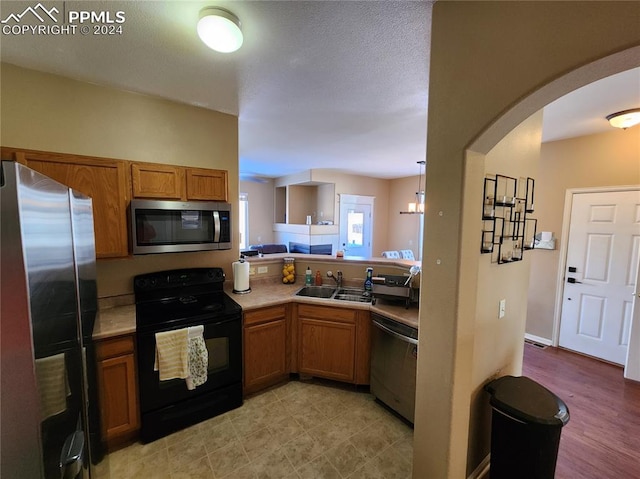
316,84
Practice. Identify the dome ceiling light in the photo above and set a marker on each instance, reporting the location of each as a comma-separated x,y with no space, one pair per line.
219,29
625,119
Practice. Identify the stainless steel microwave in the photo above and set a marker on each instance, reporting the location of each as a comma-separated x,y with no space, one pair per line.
179,226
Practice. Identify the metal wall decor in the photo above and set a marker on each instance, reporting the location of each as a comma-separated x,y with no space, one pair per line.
507,230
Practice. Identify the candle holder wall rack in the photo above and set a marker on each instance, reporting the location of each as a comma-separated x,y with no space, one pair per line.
507,229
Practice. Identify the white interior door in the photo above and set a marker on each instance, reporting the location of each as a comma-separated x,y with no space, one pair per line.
632,367
601,268
356,218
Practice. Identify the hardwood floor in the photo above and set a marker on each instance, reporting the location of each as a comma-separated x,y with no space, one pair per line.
602,438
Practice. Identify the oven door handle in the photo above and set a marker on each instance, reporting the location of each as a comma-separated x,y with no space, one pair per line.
395,334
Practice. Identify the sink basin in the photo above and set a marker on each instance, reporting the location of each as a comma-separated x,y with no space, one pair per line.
316,291
353,294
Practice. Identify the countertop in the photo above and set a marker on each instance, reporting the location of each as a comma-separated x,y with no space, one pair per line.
121,320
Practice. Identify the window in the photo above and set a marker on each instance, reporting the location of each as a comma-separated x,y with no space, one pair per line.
243,220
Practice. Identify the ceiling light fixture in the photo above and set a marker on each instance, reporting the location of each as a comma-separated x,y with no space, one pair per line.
417,207
219,29
625,119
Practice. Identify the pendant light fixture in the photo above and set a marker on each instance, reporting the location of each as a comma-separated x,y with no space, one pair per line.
417,207
625,119
219,29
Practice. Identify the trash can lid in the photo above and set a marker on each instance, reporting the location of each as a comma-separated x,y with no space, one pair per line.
527,401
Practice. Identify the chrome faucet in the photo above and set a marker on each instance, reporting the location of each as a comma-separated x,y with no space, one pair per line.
338,280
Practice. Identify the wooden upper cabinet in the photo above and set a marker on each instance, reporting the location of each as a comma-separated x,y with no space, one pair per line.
170,182
151,180
106,181
204,184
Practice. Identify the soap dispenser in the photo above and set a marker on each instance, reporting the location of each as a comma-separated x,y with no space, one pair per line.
368,282
318,278
308,277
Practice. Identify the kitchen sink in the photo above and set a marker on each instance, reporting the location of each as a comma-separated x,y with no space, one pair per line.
353,294
316,291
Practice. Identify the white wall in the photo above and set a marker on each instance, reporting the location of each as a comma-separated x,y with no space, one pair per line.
498,342
261,204
604,159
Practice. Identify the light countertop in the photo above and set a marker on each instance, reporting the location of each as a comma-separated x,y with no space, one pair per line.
115,322
121,320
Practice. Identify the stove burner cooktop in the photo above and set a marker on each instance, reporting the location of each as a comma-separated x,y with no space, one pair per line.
170,299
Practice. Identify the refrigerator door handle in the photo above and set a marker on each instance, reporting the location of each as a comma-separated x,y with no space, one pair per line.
72,456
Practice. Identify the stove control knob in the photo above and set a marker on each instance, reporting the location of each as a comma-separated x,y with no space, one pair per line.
153,282
141,283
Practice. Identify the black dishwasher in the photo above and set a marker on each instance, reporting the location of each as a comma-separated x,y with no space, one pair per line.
394,353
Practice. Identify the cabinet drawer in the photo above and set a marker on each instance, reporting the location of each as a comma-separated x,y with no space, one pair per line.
265,314
110,348
328,313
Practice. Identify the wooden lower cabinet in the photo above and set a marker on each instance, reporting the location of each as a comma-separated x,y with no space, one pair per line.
321,341
266,347
118,389
333,343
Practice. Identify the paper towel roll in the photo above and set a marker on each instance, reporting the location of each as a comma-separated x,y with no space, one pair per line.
240,277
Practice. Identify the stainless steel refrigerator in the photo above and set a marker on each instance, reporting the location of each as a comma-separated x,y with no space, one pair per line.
48,402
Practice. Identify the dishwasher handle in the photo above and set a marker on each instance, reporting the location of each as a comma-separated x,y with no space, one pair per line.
393,333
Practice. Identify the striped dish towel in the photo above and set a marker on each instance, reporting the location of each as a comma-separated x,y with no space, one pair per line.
172,354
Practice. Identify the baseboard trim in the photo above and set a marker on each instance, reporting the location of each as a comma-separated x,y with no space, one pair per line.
482,471
538,339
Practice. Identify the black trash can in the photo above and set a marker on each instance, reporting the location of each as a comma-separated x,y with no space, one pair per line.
526,423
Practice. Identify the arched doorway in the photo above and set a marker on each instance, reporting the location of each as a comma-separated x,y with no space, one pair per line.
493,64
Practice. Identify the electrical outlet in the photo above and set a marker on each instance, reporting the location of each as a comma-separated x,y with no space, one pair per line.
252,271
263,269
502,308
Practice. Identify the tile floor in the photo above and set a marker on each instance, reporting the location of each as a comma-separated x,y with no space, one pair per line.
299,430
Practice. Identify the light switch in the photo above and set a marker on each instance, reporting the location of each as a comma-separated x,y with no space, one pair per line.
502,308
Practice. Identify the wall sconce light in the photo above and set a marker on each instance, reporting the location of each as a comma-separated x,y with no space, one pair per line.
219,29
625,119
417,207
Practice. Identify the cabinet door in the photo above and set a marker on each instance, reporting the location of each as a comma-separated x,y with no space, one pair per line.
265,358
327,348
363,347
105,181
118,396
152,180
205,184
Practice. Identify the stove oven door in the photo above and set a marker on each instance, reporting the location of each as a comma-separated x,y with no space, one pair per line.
224,344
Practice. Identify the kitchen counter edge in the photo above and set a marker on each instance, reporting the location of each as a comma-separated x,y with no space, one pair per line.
121,320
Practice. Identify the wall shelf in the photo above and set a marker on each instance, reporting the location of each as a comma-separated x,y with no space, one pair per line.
507,231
